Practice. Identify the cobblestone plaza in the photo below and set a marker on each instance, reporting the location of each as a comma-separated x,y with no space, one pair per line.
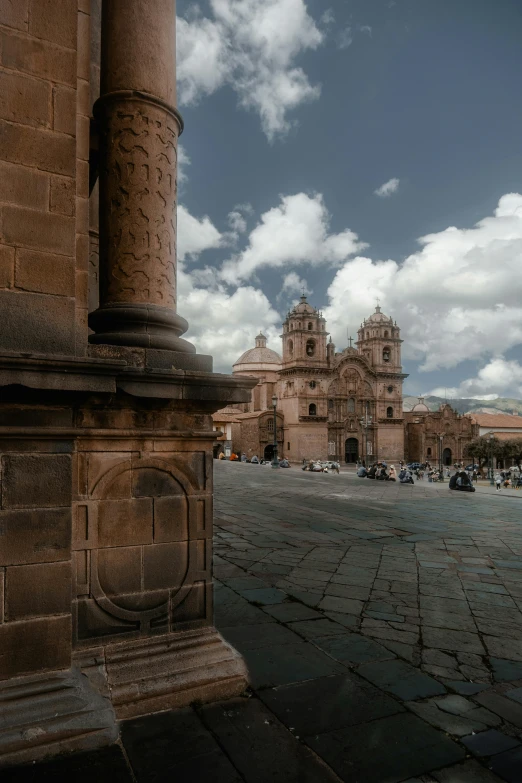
382,629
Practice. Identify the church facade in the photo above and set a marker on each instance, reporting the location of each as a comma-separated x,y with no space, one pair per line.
330,405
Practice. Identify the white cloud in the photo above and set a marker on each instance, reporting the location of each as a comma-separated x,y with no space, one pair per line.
237,222
499,377
295,232
252,47
222,323
183,163
345,38
365,28
386,190
457,298
196,234
293,284
328,18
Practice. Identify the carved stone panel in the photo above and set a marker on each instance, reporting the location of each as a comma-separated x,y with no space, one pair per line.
138,199
142,546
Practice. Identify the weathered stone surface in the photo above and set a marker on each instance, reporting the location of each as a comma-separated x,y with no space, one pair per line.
36,481
63,708
488,743
378,751
35,645
328,703
34,590
401,679
251,736
175,744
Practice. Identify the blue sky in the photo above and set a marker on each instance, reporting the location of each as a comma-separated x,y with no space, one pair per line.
296,114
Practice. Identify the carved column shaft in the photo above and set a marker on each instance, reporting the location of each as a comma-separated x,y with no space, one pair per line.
139,127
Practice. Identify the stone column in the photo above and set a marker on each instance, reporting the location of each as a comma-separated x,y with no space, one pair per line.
139,127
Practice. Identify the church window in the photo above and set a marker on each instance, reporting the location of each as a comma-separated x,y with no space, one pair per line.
270,425
389,412
386,355
310,347
386,334
313,384
367,335
288,446
351,405
429,452
390,389
291,347
330,405
312,409
310,326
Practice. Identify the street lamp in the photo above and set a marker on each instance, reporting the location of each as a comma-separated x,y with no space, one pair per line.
441,466
491,479
275,461
365,421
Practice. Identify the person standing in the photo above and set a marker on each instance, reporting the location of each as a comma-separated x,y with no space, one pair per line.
498,481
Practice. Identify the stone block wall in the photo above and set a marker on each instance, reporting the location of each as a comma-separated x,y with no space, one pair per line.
35,553
44,174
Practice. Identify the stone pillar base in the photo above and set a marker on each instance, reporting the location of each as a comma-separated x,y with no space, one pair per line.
52,713
171,671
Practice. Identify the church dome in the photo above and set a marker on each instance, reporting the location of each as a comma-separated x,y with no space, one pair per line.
259,355
378,317
304,308
420,406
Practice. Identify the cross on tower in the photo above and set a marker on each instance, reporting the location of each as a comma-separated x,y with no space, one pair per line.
350,341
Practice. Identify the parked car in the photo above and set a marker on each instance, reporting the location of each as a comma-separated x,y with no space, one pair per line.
414,465
471,467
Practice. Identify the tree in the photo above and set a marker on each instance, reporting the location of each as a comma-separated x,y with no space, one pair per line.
513,450
481,449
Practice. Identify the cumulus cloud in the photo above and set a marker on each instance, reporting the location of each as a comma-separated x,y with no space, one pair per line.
295,232
388,188
223,323
251,47
498,377
223,320
237,222
195,234
293,284
457,298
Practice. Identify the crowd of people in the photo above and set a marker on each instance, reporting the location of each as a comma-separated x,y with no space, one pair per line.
379,471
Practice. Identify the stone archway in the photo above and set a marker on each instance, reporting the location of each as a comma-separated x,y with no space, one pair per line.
351,450
446,457
269,452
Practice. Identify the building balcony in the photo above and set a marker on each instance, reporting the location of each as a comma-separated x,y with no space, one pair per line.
313,418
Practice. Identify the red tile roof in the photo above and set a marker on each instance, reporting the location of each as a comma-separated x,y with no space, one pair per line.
497,420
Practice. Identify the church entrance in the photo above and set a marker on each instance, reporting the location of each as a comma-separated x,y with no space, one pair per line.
269,451
351,450
446,456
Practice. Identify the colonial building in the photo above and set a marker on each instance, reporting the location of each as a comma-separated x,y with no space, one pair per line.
435,436
344,406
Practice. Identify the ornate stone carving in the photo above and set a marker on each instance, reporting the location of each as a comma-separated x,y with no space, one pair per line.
142,549
138,194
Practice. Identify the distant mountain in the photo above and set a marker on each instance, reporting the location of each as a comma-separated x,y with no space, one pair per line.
500,405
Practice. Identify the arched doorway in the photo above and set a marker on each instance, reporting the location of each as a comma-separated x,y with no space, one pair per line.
269,451
446,456
351,450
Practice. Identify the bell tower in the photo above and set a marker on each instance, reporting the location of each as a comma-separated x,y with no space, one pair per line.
303,383
379,341
304,337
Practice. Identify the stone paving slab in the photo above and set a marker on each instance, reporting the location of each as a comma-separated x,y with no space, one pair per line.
381,626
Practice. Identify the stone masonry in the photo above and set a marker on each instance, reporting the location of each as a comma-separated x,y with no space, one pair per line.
105,418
